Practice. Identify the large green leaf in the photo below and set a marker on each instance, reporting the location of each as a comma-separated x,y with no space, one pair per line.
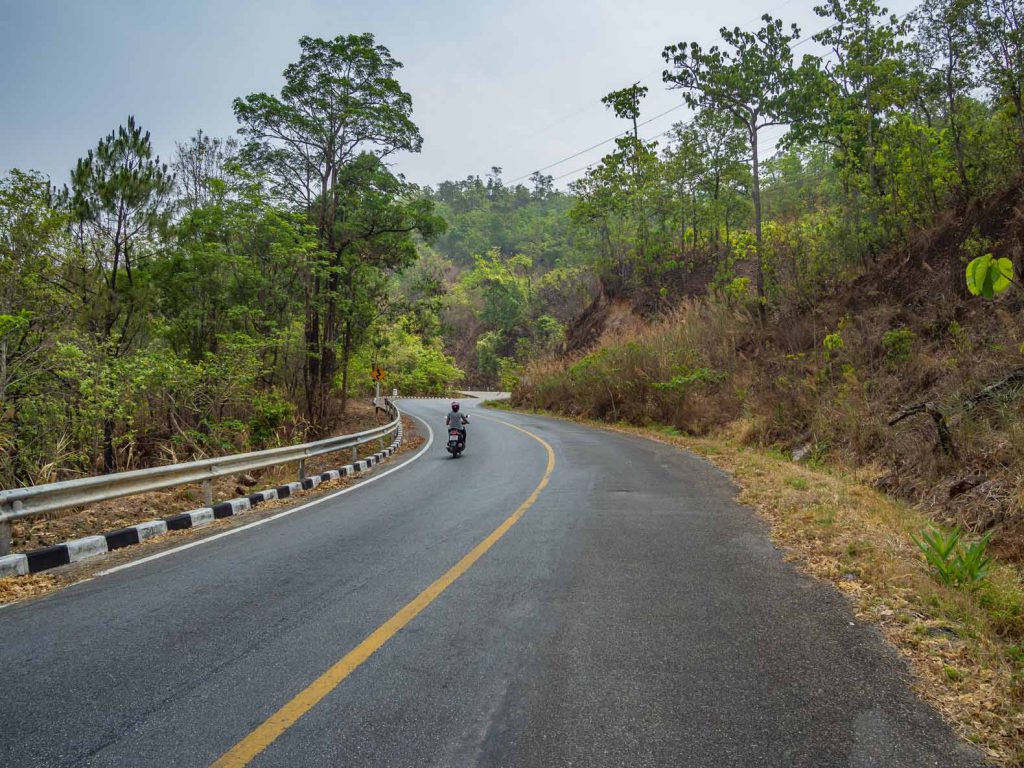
987,275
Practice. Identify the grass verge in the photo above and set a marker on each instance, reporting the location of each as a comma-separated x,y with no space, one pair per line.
965,646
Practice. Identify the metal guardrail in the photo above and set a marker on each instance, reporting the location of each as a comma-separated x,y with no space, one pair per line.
39,499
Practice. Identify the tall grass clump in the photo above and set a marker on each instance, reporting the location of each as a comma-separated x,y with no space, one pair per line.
679,372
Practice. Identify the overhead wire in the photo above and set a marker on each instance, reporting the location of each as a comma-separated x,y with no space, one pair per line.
800,41
599,144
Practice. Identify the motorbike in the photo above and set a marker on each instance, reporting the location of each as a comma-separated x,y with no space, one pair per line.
456,440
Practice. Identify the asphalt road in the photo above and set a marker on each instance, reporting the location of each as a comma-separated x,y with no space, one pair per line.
634,616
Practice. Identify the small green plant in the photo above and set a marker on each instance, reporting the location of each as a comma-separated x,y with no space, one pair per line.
972,562
961,340
738,290
955,563
1016,653
832,342
681,381
897,344
797,483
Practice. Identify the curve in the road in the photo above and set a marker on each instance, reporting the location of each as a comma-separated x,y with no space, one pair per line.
636,616
278,516
262,737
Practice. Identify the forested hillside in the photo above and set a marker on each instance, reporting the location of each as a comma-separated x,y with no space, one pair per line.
788,264
859,296
229,298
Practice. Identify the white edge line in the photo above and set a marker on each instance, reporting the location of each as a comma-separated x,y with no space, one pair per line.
279,515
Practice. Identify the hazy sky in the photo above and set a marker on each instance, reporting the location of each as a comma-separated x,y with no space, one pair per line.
515,84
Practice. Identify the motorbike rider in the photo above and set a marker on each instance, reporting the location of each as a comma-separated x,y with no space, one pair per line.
457,419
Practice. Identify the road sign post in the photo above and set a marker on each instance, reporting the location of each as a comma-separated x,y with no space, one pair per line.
378,375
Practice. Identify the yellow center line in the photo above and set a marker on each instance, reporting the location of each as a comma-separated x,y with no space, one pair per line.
267,732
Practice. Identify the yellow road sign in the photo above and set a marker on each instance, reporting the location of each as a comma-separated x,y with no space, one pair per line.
378,374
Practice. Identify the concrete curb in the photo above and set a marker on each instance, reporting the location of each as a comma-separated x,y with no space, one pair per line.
13,565
76,550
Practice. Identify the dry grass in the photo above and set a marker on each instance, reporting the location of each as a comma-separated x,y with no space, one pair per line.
14,588
709,364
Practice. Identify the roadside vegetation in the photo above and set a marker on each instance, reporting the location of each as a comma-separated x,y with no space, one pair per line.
849,295
230,299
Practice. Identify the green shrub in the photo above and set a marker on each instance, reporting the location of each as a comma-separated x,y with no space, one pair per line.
897,344
270,412
681,381
832,342
955,562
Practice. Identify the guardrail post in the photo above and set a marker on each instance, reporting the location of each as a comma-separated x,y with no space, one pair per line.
207,493
355,453
5,537
302,470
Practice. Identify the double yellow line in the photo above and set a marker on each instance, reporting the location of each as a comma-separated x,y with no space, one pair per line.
267,732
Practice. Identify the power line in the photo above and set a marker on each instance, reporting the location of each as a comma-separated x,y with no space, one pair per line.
595,146
598,162
590,104
659,70
797,43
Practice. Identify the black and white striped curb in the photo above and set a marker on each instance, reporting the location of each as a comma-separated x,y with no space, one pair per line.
90,546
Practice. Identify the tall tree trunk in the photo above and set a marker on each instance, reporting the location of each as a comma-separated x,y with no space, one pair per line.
954,127
756,189
108,446
693,208
311,367
682,224
346,357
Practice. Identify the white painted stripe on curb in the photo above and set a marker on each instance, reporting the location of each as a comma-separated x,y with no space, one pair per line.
13,565
84,548
201,517
150,528
240,504
279,515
